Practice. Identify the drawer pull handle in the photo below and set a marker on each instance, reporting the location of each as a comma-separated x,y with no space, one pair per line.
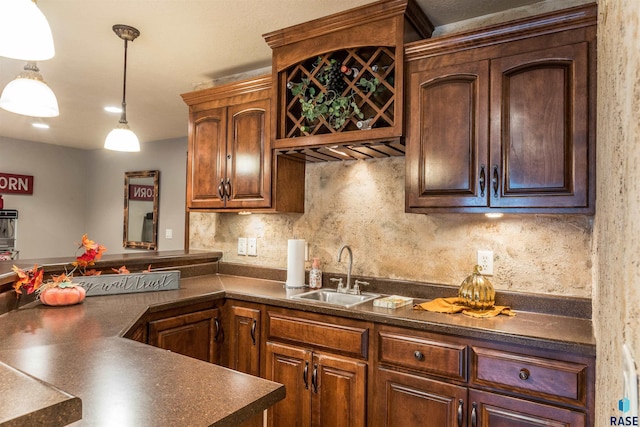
253,331
460,412
418,355
524,374
474,415
216,323
305,375
314,378
221,189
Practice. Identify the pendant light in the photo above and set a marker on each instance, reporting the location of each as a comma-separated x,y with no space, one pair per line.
24,31
29,95
122,138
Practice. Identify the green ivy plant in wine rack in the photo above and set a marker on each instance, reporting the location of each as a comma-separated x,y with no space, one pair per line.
326,95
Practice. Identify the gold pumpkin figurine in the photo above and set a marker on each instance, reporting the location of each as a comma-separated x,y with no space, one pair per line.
476,291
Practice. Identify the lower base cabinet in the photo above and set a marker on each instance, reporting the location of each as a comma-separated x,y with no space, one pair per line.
335,377
494,410
427,379
410,400
322,389
407,400
242,323
191,334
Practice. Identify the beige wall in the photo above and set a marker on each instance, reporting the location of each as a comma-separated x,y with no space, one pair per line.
52,218
79,191
362,203
616,297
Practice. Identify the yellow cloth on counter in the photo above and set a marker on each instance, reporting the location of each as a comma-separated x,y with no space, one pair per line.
455,305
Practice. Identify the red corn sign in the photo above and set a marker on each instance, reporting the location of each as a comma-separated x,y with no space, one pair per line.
16,184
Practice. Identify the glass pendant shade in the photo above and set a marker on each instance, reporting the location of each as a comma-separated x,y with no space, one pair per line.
29,95
122,139
24,31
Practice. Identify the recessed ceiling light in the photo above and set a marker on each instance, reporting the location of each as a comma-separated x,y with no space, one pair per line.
111,109
40,125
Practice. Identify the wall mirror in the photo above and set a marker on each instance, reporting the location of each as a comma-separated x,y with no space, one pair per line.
141,191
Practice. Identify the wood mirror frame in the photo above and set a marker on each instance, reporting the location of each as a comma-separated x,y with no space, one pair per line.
141,194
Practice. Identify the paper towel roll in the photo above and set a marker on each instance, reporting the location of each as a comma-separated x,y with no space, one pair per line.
295,263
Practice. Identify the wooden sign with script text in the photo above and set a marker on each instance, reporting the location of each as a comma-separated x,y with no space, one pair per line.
112,284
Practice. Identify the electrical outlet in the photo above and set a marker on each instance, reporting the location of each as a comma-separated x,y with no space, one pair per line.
485,261
252,246
242,245
168,233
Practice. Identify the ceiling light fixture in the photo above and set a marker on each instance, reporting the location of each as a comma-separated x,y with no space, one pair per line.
29,95
24,31
122,138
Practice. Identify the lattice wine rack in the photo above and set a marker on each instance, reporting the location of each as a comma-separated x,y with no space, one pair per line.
361,80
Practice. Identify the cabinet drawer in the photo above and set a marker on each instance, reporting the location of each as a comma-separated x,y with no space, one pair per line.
536,376
423,354
351,340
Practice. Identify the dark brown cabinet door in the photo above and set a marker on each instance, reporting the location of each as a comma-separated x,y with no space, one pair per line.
338,392
248,155
322,389
229,163
191,334
291,366
447,141
493,410
405,400
244,340
207,158
539,128
511,133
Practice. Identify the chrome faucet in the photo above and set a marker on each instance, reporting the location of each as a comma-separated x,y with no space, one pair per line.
346,289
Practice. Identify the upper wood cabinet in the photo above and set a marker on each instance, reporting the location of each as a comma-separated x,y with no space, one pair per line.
231,165
368,43
508,125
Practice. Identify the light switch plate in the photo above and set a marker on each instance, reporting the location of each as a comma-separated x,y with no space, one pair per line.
242,245
252,246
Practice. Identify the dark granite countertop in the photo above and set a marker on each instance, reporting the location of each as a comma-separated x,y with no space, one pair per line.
79,350
32,402
538,330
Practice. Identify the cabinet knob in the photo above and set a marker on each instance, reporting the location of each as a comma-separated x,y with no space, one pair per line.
228,156
523,374
418,355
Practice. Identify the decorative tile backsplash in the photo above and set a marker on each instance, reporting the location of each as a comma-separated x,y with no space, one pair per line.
361,203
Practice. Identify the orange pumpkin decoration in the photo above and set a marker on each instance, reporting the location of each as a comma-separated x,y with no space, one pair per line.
70,294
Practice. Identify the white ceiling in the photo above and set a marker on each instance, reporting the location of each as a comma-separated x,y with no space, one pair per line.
182,43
